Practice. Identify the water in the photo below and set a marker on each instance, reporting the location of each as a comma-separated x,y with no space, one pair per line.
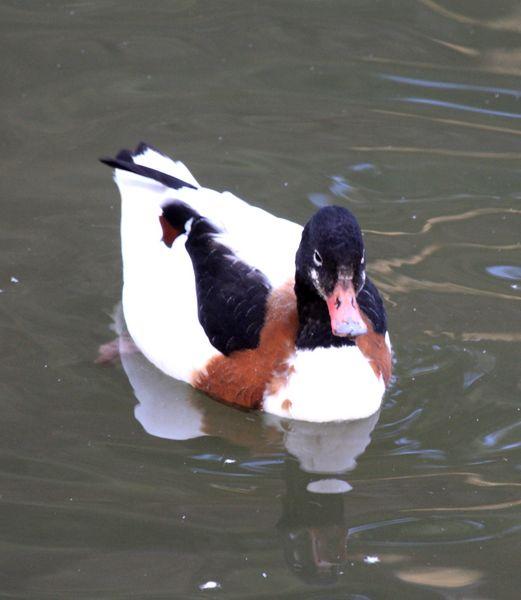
406,112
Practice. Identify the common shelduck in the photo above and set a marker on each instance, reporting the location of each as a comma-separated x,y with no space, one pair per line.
254,310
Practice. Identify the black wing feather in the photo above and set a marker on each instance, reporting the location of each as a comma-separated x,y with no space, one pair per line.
231,295
371,303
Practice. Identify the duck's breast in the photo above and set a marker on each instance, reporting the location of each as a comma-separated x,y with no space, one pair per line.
327,384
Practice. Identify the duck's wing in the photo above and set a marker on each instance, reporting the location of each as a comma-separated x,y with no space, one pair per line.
231,295
372,306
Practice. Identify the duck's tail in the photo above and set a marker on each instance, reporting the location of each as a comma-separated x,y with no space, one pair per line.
148,162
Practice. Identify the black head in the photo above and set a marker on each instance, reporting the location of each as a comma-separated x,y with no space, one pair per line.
331,262
331,246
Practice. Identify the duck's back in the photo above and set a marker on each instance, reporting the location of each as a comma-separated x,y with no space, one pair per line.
159,292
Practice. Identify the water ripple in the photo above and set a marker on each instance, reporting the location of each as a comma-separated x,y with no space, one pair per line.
426,83
462,107
505,272
491,439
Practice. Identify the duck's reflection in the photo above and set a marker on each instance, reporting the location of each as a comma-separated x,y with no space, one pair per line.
312,526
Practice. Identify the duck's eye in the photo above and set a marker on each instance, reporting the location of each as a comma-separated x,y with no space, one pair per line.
317,259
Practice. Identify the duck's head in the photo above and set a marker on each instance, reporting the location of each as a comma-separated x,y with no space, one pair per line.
331,261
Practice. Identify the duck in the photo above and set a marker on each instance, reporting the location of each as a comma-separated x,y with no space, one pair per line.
252,309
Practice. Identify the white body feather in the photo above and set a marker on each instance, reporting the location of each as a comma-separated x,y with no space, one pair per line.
328,384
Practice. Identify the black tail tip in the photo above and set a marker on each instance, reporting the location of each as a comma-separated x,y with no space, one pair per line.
127,156
125,161
110,162
142,147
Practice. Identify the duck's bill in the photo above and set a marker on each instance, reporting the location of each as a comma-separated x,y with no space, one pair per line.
346,318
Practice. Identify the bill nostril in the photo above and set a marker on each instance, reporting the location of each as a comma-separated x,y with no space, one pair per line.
338,302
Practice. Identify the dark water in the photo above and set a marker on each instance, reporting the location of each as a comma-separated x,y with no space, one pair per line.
409,113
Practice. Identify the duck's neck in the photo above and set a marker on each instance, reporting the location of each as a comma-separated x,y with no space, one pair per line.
314,329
